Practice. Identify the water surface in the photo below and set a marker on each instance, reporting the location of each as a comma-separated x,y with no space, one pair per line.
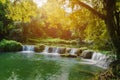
32,66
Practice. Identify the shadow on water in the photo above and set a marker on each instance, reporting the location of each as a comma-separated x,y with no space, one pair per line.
30,66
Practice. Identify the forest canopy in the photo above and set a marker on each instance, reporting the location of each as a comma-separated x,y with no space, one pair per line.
66,19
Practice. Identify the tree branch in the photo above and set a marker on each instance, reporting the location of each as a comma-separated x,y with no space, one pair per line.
102,16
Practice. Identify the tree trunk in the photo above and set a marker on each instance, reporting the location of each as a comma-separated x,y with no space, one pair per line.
113,26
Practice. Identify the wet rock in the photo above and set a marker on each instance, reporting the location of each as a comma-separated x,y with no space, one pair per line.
62,50
75,51
68,50
50,50
39,48
87,54
78,52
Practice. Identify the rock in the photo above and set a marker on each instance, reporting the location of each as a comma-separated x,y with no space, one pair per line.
78,52
75,51
87,54
39,48
68,50
50,50
62,50
72,56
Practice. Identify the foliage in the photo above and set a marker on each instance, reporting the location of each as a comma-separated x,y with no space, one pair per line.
97,33
14,14
80,20
115,68
4,21
60,17
107,74
53,41
21,10
10,45
112,73
16,33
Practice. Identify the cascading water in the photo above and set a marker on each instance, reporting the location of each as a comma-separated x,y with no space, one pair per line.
98,56
101,60
46,49
51,51
28,48
98,59
56,50
73,51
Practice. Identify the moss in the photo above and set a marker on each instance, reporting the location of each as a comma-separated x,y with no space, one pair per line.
10,46
79,52
52,41
83,48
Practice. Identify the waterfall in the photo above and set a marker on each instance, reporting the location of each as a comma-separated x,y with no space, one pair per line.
46,49
98,56
56,50
51,49
73,51
101,60
98,59
28,48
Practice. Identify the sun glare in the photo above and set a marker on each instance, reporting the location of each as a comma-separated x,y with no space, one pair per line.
40,2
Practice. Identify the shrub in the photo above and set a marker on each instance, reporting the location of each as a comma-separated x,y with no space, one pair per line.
10,45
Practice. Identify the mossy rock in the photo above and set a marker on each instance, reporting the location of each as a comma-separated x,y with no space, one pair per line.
50,50
62,50
78,52
39,48
68,50
10,46
87,54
